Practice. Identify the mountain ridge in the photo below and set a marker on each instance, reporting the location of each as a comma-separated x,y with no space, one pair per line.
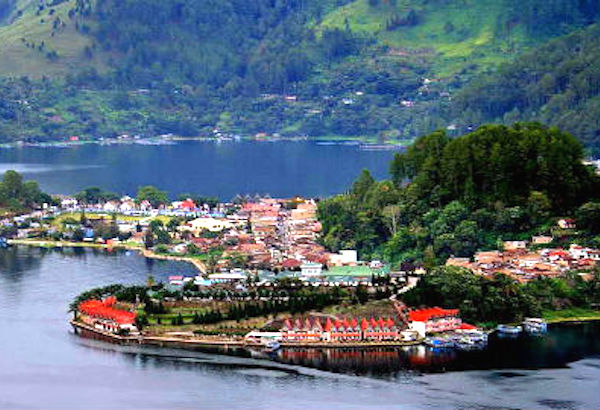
385,69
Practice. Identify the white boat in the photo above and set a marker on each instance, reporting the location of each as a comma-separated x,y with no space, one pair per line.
271,346
535,325
509,330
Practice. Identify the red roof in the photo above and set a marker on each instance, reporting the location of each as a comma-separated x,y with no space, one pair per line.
328,325
188,204
423,315
291,263
466,326
105,310
364,324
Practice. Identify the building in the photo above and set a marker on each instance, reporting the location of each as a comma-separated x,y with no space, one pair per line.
208,224
514,245
311,269
102,315
566,223
340,330
541,240
434,320
345,257
236,275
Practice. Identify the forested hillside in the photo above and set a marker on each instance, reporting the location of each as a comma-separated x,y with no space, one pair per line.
558,83
386,69
455,196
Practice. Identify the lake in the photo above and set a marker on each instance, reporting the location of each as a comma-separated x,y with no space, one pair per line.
44,365
281,169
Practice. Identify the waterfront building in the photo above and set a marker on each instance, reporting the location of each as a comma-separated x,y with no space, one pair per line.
340,330
434,320
102,315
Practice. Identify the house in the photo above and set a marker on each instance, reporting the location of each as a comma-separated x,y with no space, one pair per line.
566,223
460,262
68,203
111,206
311,269
541,240
345,257
514,245
207,224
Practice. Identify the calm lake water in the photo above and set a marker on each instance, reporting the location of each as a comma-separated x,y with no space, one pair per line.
224,170
43,365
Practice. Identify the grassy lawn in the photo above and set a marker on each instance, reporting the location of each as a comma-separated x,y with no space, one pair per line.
572,314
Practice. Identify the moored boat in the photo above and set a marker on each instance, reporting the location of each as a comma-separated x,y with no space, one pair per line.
272,346
509,330
438,342
535,325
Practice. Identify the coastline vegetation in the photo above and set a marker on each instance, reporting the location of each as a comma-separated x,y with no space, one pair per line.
502,300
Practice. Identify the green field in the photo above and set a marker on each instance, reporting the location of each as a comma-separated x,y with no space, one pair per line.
453,34
33,28
571,315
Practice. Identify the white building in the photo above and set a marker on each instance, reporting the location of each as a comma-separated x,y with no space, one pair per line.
345,257
311,269
209,224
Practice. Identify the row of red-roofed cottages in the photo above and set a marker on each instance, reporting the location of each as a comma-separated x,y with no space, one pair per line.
346,330
102,315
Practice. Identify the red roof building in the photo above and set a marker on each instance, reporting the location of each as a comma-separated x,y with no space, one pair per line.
103,314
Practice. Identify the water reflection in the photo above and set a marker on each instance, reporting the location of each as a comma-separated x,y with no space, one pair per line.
562,345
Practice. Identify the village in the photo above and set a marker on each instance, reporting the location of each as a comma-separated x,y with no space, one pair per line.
524,261
254,256
257,238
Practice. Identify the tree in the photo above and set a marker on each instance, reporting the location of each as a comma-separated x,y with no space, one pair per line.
12,184
153,195
588,217
362,185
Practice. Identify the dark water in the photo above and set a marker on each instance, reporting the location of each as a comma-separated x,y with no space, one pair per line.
43,365
223,170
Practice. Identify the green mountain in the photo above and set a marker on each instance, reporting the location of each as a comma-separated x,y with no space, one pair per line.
386,69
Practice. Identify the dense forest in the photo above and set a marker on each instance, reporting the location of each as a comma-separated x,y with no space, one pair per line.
456,196
391,70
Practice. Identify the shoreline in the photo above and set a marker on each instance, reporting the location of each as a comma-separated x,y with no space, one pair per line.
171,140
578,319
197,263
87,331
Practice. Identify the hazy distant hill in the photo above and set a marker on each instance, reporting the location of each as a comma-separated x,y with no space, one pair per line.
387,69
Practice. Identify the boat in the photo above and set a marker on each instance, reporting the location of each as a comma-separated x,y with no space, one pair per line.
271,346
535,325
509,330
467,343
3,243
438,342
